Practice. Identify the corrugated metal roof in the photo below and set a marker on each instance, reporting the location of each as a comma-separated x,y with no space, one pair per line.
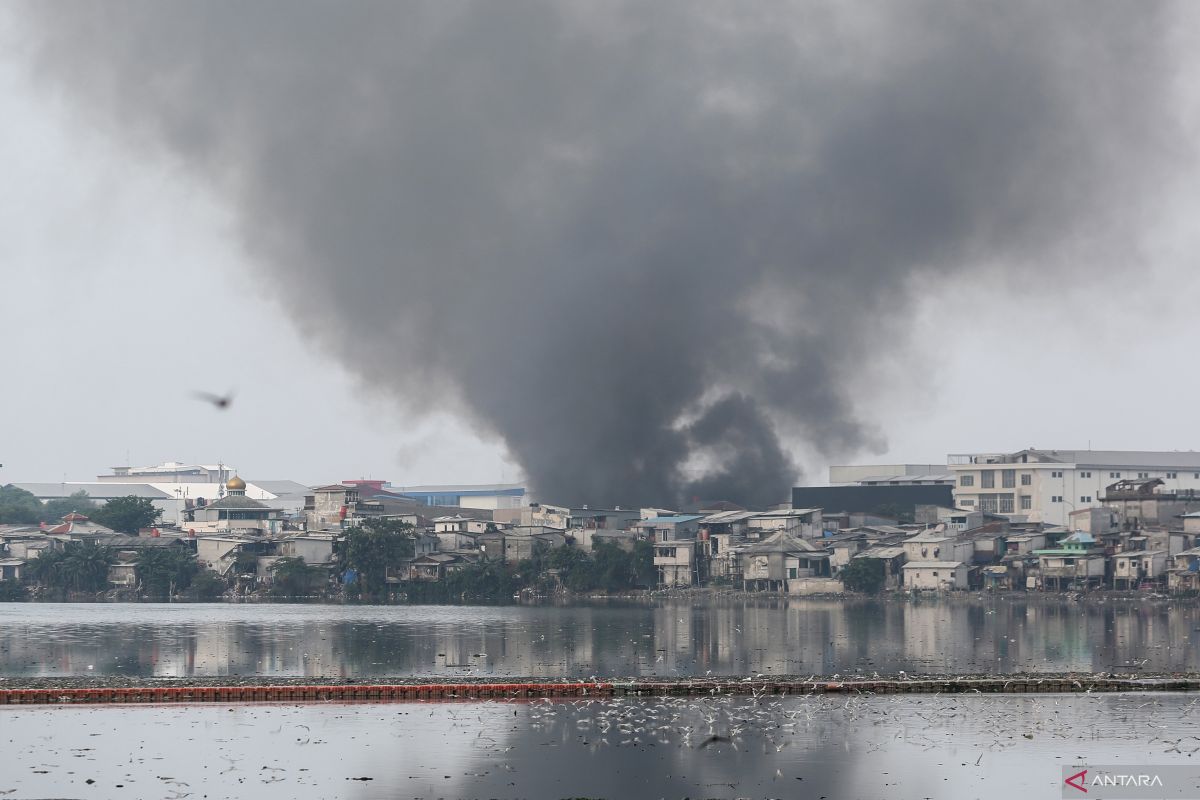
907,478
880,552
930,536
782,542
96,491
280,488
506,488
725,517
785,512
933,564
677,519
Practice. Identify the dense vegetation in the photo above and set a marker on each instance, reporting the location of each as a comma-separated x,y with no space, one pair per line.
126,514
122,514
77,503
292,577
19,507
164,572
78,567
548,572
371,549
863,575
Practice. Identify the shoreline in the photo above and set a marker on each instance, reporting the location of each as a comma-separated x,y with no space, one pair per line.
703,593
115,689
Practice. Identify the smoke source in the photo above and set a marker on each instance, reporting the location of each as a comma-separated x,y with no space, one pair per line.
644,244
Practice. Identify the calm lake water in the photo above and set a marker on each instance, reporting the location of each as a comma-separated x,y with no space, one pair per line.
986,746
670,637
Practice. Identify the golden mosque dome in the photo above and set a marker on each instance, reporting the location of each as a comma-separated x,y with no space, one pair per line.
235,484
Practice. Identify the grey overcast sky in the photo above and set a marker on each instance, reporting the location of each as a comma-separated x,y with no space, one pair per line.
133,270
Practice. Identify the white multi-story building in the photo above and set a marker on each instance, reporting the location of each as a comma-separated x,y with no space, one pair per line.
1047,485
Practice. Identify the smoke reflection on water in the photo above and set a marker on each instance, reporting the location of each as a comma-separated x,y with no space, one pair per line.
977,746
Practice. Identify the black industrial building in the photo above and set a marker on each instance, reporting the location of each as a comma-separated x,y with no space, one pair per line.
875,499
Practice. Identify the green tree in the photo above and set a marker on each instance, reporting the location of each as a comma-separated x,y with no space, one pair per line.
576,569
44,569
863,575
207,585
165,571
482,582
645,575
372,547
77,503
127,514
12,592
19,507
80,567
616,569
293,577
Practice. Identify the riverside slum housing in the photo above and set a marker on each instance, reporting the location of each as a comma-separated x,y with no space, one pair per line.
1137,531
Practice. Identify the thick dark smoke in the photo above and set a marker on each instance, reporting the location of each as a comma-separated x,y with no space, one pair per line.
642,243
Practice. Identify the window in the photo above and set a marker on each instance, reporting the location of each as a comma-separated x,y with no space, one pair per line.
1026,479
966,480
1085,474
1056,474
1008,478
1087,498
1026,502
1068,562
1006,504
1114,474
791,573
1056,498
1172,475
988,479
1143,474
967,503
987,505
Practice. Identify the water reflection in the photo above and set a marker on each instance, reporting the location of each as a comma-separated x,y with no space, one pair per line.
724,637
934,746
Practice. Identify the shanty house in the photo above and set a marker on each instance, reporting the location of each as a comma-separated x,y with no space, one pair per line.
936,545
936,575
1184,574
772,563
801,523
1133,569
893,558
669,528
676,563
1077,563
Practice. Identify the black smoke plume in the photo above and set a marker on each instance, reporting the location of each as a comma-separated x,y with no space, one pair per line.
645,244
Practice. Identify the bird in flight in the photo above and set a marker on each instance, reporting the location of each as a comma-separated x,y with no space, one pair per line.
221,402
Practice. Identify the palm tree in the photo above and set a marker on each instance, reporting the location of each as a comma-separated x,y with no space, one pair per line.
163,571
85,566
44,568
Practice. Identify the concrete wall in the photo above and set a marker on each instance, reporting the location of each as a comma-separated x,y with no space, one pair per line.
939,577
